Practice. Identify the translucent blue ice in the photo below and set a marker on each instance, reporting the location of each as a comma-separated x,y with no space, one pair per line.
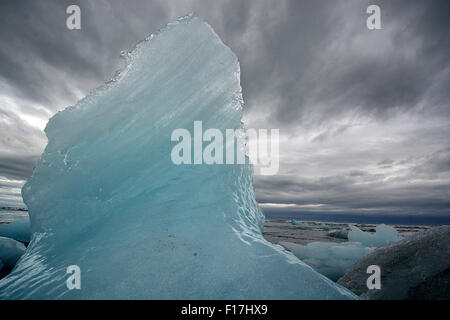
18,230
329,258
384,235
300,223
334,259
106,196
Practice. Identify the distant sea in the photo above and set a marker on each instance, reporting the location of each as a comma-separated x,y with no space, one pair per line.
372,219
7,216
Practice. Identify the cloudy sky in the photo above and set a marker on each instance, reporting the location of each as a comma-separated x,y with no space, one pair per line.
364,115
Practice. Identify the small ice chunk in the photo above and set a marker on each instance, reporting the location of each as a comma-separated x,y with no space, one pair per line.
383,236
300,223
328,258
339,233
334,259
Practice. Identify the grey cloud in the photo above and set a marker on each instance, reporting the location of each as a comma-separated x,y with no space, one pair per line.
17,168
434,165
385,162
7,183
320,68
346,196
310,68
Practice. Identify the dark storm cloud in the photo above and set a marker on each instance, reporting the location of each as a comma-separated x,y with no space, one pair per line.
12,167
320,67
44,60
364,114
360,195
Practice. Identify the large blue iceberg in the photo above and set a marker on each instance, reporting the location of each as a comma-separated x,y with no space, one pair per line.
105,195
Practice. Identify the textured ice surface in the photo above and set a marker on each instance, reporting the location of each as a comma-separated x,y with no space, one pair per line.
384,235
10,251
105,195
330,259
417,267
18,230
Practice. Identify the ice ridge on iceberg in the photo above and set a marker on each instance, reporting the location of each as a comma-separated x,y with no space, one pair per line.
105,195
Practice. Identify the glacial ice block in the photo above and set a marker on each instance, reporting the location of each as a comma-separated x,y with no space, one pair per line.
105,195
